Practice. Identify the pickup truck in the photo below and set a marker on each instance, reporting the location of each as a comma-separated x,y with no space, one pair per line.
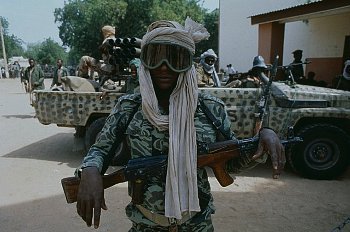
320,116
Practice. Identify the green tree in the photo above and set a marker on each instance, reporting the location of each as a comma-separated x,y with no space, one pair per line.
46,52
13,45
134,22
211,22
177,10
81,21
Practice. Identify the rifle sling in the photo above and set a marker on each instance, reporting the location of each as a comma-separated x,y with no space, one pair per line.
115,144
217,123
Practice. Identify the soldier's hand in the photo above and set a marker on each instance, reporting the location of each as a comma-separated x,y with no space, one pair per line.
269,142
90,199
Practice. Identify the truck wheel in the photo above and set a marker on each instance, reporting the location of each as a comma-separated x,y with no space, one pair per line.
121,154
323,154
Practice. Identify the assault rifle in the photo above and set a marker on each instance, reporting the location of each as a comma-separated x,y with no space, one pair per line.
263,102
138,170
288,70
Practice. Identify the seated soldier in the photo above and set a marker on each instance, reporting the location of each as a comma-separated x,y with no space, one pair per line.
132,83
88,65
249,79
206,74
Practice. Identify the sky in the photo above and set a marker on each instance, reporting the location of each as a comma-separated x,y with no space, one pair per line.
33,20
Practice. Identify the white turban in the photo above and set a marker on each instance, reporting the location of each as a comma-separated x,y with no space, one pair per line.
181,193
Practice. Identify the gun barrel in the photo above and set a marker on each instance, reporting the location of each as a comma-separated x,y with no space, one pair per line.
264,78
136,52
118,41
135,42
126,41
110,42
216,157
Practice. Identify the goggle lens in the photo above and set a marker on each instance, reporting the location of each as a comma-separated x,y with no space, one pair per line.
178,58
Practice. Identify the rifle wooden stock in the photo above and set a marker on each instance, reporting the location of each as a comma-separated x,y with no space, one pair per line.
71,184
215,157
218,154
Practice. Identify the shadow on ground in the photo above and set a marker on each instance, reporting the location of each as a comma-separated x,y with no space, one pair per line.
254,211
53,214
19,116
59,148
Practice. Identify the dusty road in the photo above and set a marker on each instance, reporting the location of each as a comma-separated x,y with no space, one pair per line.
34,157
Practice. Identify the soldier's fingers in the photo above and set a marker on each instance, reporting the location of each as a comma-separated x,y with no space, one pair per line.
88,214
282,158
274,157
104,206
258,152
97,215
82,211
276,173
78,208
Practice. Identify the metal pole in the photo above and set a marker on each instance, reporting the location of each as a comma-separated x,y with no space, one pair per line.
4,51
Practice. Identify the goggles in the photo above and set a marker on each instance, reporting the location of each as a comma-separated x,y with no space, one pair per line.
177,58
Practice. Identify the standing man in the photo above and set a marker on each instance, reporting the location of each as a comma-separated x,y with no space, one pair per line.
153,123
16,69
34,75
230,70
206,74
59,72
3,75
297,66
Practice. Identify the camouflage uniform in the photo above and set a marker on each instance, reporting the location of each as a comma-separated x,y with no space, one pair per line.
204,79
145,140
130,85
36,78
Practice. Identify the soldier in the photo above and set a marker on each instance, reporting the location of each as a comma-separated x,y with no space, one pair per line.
132,83
249,79
59,72
34,75
297,66
88,65
206,74
168,100
16,69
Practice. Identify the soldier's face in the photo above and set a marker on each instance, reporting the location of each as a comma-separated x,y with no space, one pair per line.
163,78
31,63
209,60
133,71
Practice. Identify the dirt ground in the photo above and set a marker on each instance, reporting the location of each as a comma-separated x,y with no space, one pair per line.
34,158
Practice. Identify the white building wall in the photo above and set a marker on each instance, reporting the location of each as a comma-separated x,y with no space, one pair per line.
238,39
318,38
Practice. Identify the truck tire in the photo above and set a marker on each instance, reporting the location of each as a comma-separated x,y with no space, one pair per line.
121,153
323,154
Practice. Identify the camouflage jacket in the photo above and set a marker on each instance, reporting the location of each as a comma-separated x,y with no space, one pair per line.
36,78
145,140
204,79
130,85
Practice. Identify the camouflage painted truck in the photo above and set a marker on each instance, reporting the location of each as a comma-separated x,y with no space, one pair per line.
321,116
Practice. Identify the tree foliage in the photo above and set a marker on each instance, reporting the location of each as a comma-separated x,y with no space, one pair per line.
81,20
46,52
13,45
211,22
